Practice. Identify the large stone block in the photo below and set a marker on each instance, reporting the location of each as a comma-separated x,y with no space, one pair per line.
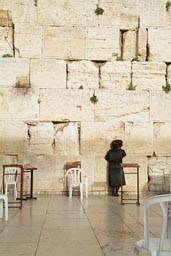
19,104
68,13
129,44
102,43
159,172
66,105
48,73
115,75
64,42
137,137
142,44
67,139
160,106
13,136
129,21
153,14
14,72
28,40
41,137
162,135
122,106
5,19
97,136
6,41
159,44
83,74
148,75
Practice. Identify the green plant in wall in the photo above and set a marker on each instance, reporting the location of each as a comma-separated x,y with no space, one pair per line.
135,59
7,55
81,87
168,5
166,88
99,10
119,58
131,87
35,2
39,101
94,99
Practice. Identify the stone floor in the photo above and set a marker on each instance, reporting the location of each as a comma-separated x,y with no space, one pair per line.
59,226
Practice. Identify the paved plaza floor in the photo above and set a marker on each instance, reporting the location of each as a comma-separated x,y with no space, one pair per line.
55,225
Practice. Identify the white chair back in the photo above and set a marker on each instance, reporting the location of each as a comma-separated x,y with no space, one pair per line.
11,175
11,178
162,244
76,177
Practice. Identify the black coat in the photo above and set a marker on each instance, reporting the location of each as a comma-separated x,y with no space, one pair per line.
114,158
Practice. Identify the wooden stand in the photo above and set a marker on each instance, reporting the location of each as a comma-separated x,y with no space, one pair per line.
136,172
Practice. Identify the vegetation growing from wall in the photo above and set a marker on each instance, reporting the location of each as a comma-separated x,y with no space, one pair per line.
131,87
94,99
168,5
99,10
166,88
7,55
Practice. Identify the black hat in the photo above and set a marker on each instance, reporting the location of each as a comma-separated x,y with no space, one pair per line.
115,144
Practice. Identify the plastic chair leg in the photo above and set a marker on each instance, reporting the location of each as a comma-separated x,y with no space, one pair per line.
1,208
6,208
81,190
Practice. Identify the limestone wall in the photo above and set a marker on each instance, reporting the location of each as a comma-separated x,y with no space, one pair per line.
55,55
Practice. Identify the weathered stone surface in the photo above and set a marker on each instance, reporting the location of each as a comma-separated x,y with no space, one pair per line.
129,44
153,14
74,106
41,136
100,183
101,43
162,135
5,18
169,74
142,44
6,41
115,75
67,13
160,106
67,139
48,73
128,21
97,136
14,71
159,44
83,74
148,75
122,106
13,136
137,137
69,47
64,42
159,171
28,40
19,104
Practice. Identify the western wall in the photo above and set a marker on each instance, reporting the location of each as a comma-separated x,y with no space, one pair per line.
76,74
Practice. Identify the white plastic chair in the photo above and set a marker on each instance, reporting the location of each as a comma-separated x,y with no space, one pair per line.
76,177
11,178
155,246
4,198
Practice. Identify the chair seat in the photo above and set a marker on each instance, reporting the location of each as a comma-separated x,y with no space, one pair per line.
154,245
